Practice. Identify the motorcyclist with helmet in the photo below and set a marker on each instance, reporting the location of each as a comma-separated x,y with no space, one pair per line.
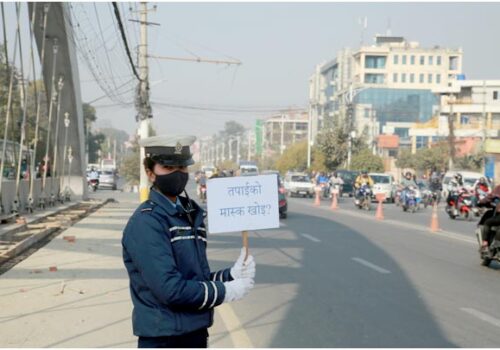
362,179
481,188
455,188
336,182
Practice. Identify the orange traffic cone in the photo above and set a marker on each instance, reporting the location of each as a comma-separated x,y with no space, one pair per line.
317,201
434,219
335,204
380,211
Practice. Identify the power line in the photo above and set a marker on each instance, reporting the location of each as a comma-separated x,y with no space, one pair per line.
124,38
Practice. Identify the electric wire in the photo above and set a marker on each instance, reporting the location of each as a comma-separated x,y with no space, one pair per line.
124,38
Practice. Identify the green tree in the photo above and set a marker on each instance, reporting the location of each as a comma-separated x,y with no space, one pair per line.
405,159
472,162
434,157
334,144
366,160
294,158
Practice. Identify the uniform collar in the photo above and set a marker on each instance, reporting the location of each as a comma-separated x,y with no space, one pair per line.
179,208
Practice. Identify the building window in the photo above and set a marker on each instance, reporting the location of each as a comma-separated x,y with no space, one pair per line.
395,78
412,59
412,78
429,78
422,60
438,60
403,59
421,78
438,78
396,57
495,95
431,59
403,77
453,62
371,78
376,62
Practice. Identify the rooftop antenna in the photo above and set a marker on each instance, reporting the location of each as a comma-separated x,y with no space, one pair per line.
363,21
388,32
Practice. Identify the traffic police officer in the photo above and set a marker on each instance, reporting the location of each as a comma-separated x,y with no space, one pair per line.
164,250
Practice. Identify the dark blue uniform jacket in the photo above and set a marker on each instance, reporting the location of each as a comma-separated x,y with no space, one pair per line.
172,288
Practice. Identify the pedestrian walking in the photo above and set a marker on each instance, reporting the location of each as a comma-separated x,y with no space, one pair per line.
173,290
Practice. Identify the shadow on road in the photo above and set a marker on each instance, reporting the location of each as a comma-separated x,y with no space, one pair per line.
339,302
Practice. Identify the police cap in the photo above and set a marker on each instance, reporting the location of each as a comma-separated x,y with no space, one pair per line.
169,150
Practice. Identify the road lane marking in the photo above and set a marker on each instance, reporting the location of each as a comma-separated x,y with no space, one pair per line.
233,325
442,233
482,316
370,265
314,239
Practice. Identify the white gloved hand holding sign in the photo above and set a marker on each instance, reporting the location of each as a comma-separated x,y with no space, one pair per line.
237,289
243,268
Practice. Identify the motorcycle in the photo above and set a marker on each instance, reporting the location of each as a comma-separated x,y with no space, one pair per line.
493,251
461,206
364,198
325,190
409,199
397,198
93,184
480,194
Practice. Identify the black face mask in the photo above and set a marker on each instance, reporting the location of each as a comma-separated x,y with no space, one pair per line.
172,184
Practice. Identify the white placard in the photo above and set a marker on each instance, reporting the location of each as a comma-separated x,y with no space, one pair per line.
242,203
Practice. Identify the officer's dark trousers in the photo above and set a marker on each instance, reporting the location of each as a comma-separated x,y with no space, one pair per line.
196,339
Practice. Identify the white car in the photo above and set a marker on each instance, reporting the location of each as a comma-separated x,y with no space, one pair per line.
298,184
384,183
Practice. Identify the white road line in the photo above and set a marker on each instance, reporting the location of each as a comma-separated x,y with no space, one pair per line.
233,325
314,239
442,233
482,316
370,265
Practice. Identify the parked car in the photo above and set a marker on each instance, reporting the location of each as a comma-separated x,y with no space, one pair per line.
384,183
108,179
298,184
349,177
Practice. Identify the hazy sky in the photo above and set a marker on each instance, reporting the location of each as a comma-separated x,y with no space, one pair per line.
279,45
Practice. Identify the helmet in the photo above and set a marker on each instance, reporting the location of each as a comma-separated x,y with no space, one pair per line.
458,177
364,172
482,180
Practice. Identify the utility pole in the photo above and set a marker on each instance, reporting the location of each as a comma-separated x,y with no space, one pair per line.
238,149
142,103
282,140
451,133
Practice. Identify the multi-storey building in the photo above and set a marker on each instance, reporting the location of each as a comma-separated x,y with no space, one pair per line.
392,79
283,130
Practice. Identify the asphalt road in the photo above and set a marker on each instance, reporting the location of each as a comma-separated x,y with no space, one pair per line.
343,279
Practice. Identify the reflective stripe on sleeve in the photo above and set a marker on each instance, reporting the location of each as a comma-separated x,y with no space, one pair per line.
215,294
206,296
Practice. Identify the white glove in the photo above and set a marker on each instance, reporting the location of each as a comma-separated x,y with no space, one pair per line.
243,269
237,289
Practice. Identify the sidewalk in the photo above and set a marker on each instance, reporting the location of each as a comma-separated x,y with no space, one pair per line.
86,302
